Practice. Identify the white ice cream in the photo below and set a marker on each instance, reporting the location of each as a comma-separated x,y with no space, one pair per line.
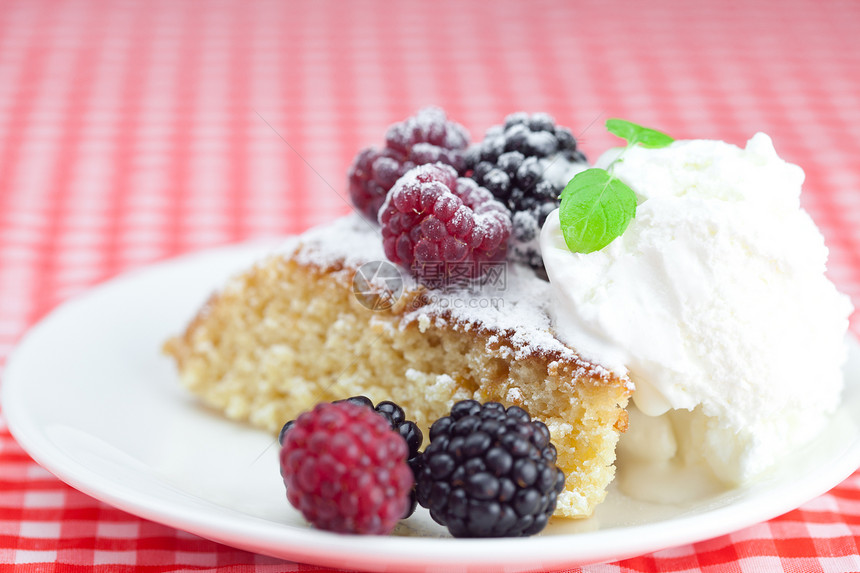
713,301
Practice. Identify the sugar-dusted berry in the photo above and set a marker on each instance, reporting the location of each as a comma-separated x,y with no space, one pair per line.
525,164
427,137
442,227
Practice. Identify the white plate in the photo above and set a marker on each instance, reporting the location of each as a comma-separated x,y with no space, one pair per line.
88,394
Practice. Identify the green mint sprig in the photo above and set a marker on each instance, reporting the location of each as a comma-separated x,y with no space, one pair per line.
644,136
596,207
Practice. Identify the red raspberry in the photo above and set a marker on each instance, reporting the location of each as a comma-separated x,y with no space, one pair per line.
427,137
345,469
443,228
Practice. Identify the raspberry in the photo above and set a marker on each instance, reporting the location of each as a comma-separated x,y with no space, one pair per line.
345,469
443,228
427,137
408,429
396,419
489,472
525,164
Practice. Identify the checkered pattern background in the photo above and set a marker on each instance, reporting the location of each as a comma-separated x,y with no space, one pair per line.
134,131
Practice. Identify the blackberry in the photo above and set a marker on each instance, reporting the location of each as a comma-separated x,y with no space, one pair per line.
489,472
525,164
408,429
427,137
396,418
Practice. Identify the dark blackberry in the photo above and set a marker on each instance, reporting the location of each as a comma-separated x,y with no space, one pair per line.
526,163
427,137
396,418
284,430
489,472
406,428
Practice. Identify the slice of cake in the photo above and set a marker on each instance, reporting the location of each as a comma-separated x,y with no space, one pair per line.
301,327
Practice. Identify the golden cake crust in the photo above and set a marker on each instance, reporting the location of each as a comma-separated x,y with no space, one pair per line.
290,332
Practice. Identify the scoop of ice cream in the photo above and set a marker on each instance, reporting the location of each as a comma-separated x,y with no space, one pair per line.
714,300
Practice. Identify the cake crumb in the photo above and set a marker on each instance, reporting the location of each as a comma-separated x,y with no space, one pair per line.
514,396
423,323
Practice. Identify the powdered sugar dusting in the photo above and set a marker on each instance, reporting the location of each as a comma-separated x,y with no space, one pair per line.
428,125
526,231
514,395
512,304
350,241
559,170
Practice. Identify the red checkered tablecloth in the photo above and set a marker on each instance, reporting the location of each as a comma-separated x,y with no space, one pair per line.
131,132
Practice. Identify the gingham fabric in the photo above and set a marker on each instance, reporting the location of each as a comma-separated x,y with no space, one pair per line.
131,132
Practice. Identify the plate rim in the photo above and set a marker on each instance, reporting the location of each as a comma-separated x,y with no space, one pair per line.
308,545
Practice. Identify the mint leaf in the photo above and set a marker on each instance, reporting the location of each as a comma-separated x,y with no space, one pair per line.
633,133
595,208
